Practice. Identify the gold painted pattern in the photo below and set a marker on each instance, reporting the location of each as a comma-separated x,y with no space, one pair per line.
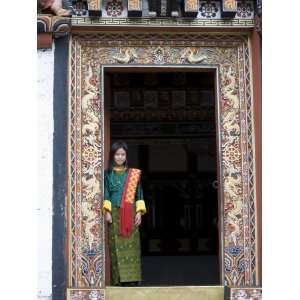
230,5
134,5
94,4
191,5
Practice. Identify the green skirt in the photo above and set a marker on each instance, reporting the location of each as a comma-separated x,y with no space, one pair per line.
125,253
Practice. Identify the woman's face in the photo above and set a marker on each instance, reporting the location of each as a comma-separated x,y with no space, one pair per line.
120,157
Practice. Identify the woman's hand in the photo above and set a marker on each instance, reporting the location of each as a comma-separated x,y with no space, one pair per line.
138,219
108,217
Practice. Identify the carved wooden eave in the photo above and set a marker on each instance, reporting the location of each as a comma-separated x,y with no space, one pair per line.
49,27
217,16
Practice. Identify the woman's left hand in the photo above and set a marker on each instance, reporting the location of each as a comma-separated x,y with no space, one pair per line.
138,219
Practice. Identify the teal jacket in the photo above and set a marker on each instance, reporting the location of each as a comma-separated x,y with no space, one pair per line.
114,183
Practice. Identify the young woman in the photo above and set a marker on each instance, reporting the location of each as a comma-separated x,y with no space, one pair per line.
123,207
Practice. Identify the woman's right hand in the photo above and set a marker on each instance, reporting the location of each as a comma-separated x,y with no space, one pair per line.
108,217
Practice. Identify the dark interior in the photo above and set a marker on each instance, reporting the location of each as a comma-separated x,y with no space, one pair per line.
168,121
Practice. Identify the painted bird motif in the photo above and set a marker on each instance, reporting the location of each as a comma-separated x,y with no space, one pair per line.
126,56
193,56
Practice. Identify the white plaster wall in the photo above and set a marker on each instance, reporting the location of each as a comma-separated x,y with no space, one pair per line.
45,171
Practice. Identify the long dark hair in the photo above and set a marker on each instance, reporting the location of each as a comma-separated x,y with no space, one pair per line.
114,148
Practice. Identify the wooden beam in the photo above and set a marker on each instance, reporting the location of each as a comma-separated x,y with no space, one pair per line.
191,8
94,8
228,8
163,8
44,40
135,8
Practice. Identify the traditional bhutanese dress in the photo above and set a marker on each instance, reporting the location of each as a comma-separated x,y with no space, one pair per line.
123,197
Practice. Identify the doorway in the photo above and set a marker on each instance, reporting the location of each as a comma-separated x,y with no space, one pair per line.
168,120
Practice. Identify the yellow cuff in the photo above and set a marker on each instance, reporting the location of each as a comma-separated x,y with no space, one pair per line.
106,205
140,206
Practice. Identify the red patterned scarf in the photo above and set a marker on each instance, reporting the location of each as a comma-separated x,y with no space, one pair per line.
128,196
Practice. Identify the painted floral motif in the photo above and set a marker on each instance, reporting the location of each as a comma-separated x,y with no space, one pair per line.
86,295
232,154
208,9
244,10
246,294
89,154
114,8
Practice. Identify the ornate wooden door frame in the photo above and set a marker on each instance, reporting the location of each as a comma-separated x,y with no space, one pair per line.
89,54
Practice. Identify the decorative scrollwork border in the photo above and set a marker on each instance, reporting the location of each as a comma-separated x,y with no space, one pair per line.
162,22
